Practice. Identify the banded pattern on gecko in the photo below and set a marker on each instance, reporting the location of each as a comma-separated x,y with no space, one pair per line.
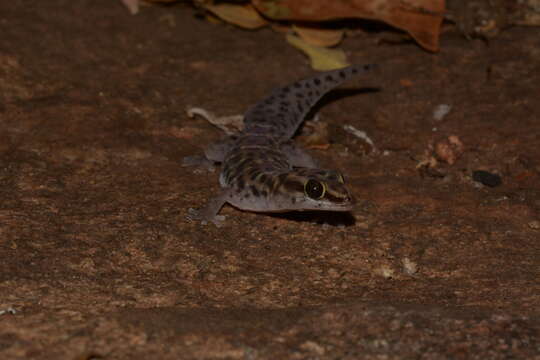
263,171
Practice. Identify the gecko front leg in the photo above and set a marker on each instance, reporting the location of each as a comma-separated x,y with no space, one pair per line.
209,213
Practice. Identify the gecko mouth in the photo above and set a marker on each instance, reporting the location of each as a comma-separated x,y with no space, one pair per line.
341,207
341,204
332,206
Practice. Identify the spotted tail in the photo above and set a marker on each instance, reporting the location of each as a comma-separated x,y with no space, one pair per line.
280,113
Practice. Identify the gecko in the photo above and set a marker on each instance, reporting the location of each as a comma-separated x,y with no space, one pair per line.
262,170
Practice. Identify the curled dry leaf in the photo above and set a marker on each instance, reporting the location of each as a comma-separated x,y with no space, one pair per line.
281,28
420,18
244,16
319,36
321,58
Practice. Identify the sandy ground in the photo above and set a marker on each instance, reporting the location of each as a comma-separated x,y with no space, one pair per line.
99,261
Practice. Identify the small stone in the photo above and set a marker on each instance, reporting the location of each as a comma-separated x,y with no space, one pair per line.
409,266
385,271
441,111
486,178
313,347
535,224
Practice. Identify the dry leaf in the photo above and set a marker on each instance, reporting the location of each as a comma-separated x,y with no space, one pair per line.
321,58
420,18
244,16
132,5
281,28
319,36
449,150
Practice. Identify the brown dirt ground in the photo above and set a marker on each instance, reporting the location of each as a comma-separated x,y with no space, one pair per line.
98,259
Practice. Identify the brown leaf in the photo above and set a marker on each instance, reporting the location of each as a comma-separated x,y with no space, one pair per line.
449,150
420,18
322,59
319,36
244,16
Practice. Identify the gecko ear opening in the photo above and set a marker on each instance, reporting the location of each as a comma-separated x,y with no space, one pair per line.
314,189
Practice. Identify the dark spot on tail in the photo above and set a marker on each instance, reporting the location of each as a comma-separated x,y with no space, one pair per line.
240,183
254,191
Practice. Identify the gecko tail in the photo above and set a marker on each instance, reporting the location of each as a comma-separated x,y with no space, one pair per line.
280,113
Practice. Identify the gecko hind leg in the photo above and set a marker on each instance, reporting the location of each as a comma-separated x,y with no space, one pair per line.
213,154
298,157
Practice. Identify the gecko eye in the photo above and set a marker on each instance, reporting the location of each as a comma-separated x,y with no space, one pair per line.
314,189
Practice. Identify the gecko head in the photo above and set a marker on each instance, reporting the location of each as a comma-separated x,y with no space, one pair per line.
314,189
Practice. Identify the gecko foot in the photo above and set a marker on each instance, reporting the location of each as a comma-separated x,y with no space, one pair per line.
194,215
199,162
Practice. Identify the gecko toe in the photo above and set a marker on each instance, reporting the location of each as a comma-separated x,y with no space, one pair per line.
193,214
199,162
219,220
197,215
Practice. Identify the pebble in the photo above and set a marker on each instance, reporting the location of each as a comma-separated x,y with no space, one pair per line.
486,178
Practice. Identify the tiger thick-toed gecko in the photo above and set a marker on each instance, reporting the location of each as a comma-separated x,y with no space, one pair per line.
263,171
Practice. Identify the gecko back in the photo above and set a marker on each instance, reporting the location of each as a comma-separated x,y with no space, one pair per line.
279,114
